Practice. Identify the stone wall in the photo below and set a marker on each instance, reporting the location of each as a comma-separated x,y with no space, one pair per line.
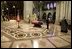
63,9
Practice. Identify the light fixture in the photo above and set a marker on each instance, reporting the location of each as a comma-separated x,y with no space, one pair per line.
40,1
7,8
13,6
54,4
2,10
51,5
4,1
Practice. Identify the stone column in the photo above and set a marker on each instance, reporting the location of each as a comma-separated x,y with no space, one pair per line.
62,13
40,14
69,10
63,9
2,14
66,9
57,12
28,7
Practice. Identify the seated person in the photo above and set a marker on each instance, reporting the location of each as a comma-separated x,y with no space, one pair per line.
64,26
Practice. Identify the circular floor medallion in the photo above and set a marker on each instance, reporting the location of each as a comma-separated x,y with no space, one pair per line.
20,35
12,31
35,34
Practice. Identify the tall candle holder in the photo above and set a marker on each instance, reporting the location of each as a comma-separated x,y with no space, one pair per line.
18,19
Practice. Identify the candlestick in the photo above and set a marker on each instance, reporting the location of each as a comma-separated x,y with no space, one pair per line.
18,19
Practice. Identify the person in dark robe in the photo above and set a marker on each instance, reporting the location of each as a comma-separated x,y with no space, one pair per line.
47,21
64,25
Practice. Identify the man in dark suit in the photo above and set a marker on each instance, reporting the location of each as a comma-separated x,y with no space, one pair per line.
47,21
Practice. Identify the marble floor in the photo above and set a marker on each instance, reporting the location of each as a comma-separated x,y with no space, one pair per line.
28,36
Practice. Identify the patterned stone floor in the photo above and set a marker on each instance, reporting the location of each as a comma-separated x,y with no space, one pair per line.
27,36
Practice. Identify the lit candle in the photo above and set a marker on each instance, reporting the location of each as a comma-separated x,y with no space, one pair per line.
2,10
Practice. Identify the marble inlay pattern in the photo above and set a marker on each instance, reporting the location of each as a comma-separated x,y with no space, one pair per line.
22,44
4,38
58,42
23,33
27,31
66,37
44,43
6,45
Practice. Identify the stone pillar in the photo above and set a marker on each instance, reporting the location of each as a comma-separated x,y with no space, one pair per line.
64,5
28,7
57,12
40,14
62,13
69,10
2,15
66,9
63,9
